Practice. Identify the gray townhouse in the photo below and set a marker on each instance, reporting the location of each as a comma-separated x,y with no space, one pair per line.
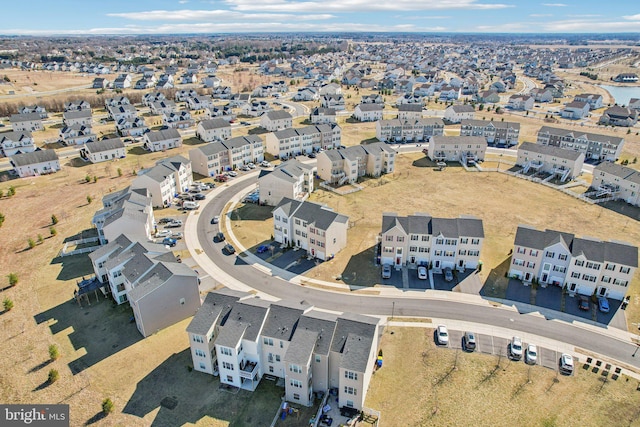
583,266
441,243
243,338
397,130
291,142
617,181
219,156
291,179
164,180
126,211
557,162
347,164
592,145
463,149
500,133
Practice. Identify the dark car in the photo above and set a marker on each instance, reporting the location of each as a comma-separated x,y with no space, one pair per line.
219,237
603,305
262,249
199,196
583,303
229,249
168,241
469,341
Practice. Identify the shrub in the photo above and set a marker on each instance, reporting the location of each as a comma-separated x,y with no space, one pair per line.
95,179
54,354
54,219
40,239
89,199
11,191
31,242
7,304
119,172
53,231
13,279
1,219
107,406
54,375
87,178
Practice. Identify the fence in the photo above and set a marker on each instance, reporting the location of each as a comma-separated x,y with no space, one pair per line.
65,252
353,189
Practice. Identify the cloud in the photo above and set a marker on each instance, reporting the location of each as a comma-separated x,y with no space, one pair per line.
540,15
554,4
359,5
591,26
212,15
632,17
183,1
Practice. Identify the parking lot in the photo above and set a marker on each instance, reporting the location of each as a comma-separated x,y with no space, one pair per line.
489,344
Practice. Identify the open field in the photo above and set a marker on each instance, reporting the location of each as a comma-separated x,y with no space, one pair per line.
417,386
32,82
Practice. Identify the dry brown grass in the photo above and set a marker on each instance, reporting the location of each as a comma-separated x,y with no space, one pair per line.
32,82
409,390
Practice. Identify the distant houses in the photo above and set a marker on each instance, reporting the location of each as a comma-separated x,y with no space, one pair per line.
397,130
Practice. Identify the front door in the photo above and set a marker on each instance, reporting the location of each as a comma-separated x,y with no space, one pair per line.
413,260
461,263
544,278
527,277
603,291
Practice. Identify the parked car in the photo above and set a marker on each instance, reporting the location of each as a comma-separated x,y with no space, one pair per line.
232,174
164,220
221,178
469,341
229,249
164,233
199,196
583,303
448,275
174,223
311,155
566,364
244,168
219,237
422,272
603,304
245,123
531,355
168,241
215,219
262,249
177,235
442,335
386,271
265,164
515,348
250,165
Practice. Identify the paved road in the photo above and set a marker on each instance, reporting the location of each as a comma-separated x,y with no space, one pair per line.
238,273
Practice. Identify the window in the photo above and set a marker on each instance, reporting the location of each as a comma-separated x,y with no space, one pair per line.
414,237
277,357
519,262
589,277
625,270
295,369
425,238
533,253
463,240
350,390
620,282
579,263
296,396
226,351
227,365
521,250
606,279
439,241
198,338
351,375
267,341
475,241
550,254
462,252
400,239
296,383
200,353
593,265
562,257
559,269
229,379
450,242
389,238
413,248
575,275
318,358
449,253
531,264
270,369
202,366
438,253
281,344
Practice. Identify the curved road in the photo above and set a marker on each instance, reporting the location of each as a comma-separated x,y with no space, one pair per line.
426,305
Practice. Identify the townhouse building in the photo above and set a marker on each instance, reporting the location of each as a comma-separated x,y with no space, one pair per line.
575,110
178,120
166,179
29,122
583,266
457,113
592,145
242,338
35,163
293,142
123,111
397,130
160,290
594,100
77,105
15,142
315,228
161,140
199,102
219,156
368,112
558,162
27,109
500,133
291,179
441,243
126,211
347,164
101,151
521,102
617,181
162,106
132,126
463,149
276,120
80,117
149,98
321,115
217,129
335,101
619,116
409,112
255,108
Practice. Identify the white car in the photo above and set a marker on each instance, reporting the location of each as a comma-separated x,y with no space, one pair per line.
531,355
566,364
232,174
422,272
164,233
442,335
178,235
515,348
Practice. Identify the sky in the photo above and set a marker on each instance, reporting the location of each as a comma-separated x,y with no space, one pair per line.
85,17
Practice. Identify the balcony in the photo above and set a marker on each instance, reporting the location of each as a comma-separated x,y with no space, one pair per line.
121,288
248,370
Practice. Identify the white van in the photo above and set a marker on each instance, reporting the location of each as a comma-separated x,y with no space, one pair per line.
190,205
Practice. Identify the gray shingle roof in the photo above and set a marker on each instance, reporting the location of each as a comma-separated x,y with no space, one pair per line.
215,306
104,145
301,348
27,117
35,157
278,115
324,324
459,140
282,319
313,213
580,134
163,135
353,338
251,312
550,150
216,123
425,224
619,171
532,238
159,275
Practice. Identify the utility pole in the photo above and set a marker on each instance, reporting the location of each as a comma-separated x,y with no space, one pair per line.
393,309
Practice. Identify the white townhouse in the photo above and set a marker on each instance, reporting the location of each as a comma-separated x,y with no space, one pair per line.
162,106
35,163
315,228
396,130
290,179
34,109
222,112
335,101
321,115
135,126
463,149
219,156
594,100
165,180
199,102
347,164
114,102
213,130
558,162
368,112
15,142
439,243
457,113
178,120
501,133
159,288
101,151
77,105
255,108
29,122
77,134
77,117
162,140
409,112
521,102
242,338
151,97
584,266
619,182
294,142
126,211
592,145
184,94
124,111
575,110
276,120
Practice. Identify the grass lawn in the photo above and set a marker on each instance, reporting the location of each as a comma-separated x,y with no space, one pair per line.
417,386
